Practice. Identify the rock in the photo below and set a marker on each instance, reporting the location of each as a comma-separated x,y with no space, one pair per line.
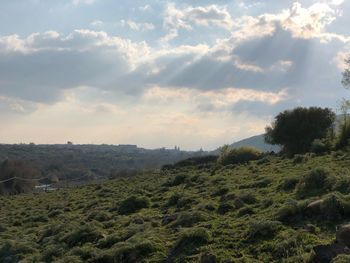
343,235
208,258
326,253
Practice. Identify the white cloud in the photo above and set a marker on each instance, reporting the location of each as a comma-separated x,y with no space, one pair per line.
137,26
87,2
212,15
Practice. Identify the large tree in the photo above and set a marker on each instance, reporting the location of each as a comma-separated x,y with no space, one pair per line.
295,130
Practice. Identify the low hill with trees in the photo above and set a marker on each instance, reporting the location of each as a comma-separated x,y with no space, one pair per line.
262,209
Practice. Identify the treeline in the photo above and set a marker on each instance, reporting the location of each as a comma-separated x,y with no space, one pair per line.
67,165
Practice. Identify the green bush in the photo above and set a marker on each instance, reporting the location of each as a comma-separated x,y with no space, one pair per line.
178,179
173,199
288,211
133,204
127,252
239,156
319,146
13,251
225,208
263,229
188,219
83,234
341,259
316,182
189,241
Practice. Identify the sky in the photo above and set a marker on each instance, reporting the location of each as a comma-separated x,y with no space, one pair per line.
196,74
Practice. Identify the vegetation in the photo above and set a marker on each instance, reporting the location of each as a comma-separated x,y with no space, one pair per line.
17,177
256,211
297,129
238,156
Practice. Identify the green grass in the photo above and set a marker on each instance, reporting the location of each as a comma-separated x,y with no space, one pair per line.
274,210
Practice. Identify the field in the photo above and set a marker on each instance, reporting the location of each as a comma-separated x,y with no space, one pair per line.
271,210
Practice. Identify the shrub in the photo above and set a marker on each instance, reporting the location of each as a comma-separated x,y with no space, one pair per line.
288,211
341,259
263,229
245,211
51,252
247,198
83,234
319,146
11,251
133,204
100,216
109,241
188,219
317,181
221,191
239,156
174,198
189,241
179,179
289,184
127,252
225,208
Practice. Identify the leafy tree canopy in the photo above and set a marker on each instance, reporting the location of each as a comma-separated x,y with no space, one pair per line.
296,129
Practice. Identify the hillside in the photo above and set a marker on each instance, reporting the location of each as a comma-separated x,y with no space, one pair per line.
270,210
83,162
256,142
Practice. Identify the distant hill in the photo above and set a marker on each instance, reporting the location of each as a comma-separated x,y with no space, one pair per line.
256,142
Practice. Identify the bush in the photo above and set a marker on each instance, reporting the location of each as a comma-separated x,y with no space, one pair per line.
317,181
100,216
173,199
133,204
319,146
11,251
83,234
188,219
263,229
225,208
288,211
239,156
189,241
289,184
341,259
127,252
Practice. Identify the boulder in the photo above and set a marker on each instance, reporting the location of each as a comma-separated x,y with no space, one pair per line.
343,235
326,253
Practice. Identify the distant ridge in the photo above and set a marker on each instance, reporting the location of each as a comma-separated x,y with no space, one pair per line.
256,142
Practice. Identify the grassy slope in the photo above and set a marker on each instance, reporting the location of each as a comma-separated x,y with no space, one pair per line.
85,224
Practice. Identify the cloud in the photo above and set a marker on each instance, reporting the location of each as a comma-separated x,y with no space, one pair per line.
87,2
137,26
212,15
39,66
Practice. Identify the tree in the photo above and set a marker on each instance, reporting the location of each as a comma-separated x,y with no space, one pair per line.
346,74
17,177
295,130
